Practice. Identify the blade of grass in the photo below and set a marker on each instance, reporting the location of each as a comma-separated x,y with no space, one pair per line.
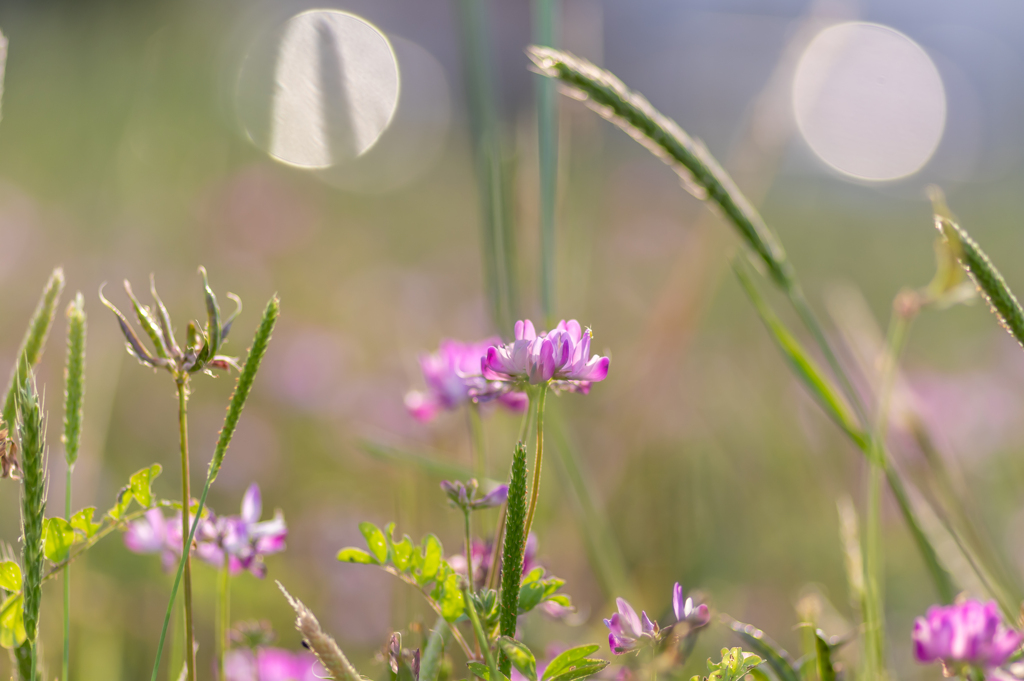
799,361
544,30
74,395
497,240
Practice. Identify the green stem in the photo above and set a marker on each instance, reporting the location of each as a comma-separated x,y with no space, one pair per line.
476,430
538,458
873,562
544,20
223,616
186,497
803,309
469,551
478,630
67,582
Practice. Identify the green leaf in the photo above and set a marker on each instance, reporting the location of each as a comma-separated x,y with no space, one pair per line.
141,483
432,557
566,659
375,540
12,621
803,366
452,602
581,669
520,656
777,658
83,521
58,536
826,671
124,500
481,670
530,596
401,554
354,555
10,576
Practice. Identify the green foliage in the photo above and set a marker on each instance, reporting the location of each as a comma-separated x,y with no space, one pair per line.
138,488
10,576
74,379
537,589
520,657
430,663
423,567
826,670
574,664
84,523
481,670
515,545
776,657
58,537
734,666
12,621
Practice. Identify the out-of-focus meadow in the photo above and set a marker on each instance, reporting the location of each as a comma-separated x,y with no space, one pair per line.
124,150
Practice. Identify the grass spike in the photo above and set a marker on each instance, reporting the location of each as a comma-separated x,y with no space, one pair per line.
515,545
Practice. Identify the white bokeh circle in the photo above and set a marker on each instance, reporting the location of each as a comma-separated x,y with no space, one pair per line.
869,101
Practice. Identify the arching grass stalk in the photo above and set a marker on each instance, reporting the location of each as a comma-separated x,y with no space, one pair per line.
74,396
33,507
238,398
538,457
700,173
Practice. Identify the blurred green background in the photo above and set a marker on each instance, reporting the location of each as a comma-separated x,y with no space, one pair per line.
123,152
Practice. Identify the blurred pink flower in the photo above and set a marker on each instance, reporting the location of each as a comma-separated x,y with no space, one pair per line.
966,633
272,664
244,538
452,375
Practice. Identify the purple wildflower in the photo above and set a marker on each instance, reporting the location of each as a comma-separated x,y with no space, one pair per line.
153,534
970,632
561,356
452,375
695,616
626,631
243,538
482,554
463,495
271,664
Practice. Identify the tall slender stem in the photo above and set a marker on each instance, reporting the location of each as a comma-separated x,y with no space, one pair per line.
903,310
223,615
67,582
544,29
476,430
186,497
478,631
469,550
538,458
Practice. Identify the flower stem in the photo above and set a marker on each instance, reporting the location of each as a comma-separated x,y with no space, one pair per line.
469,551
476,430
538,459
186,497
223,616
478,630
67,582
